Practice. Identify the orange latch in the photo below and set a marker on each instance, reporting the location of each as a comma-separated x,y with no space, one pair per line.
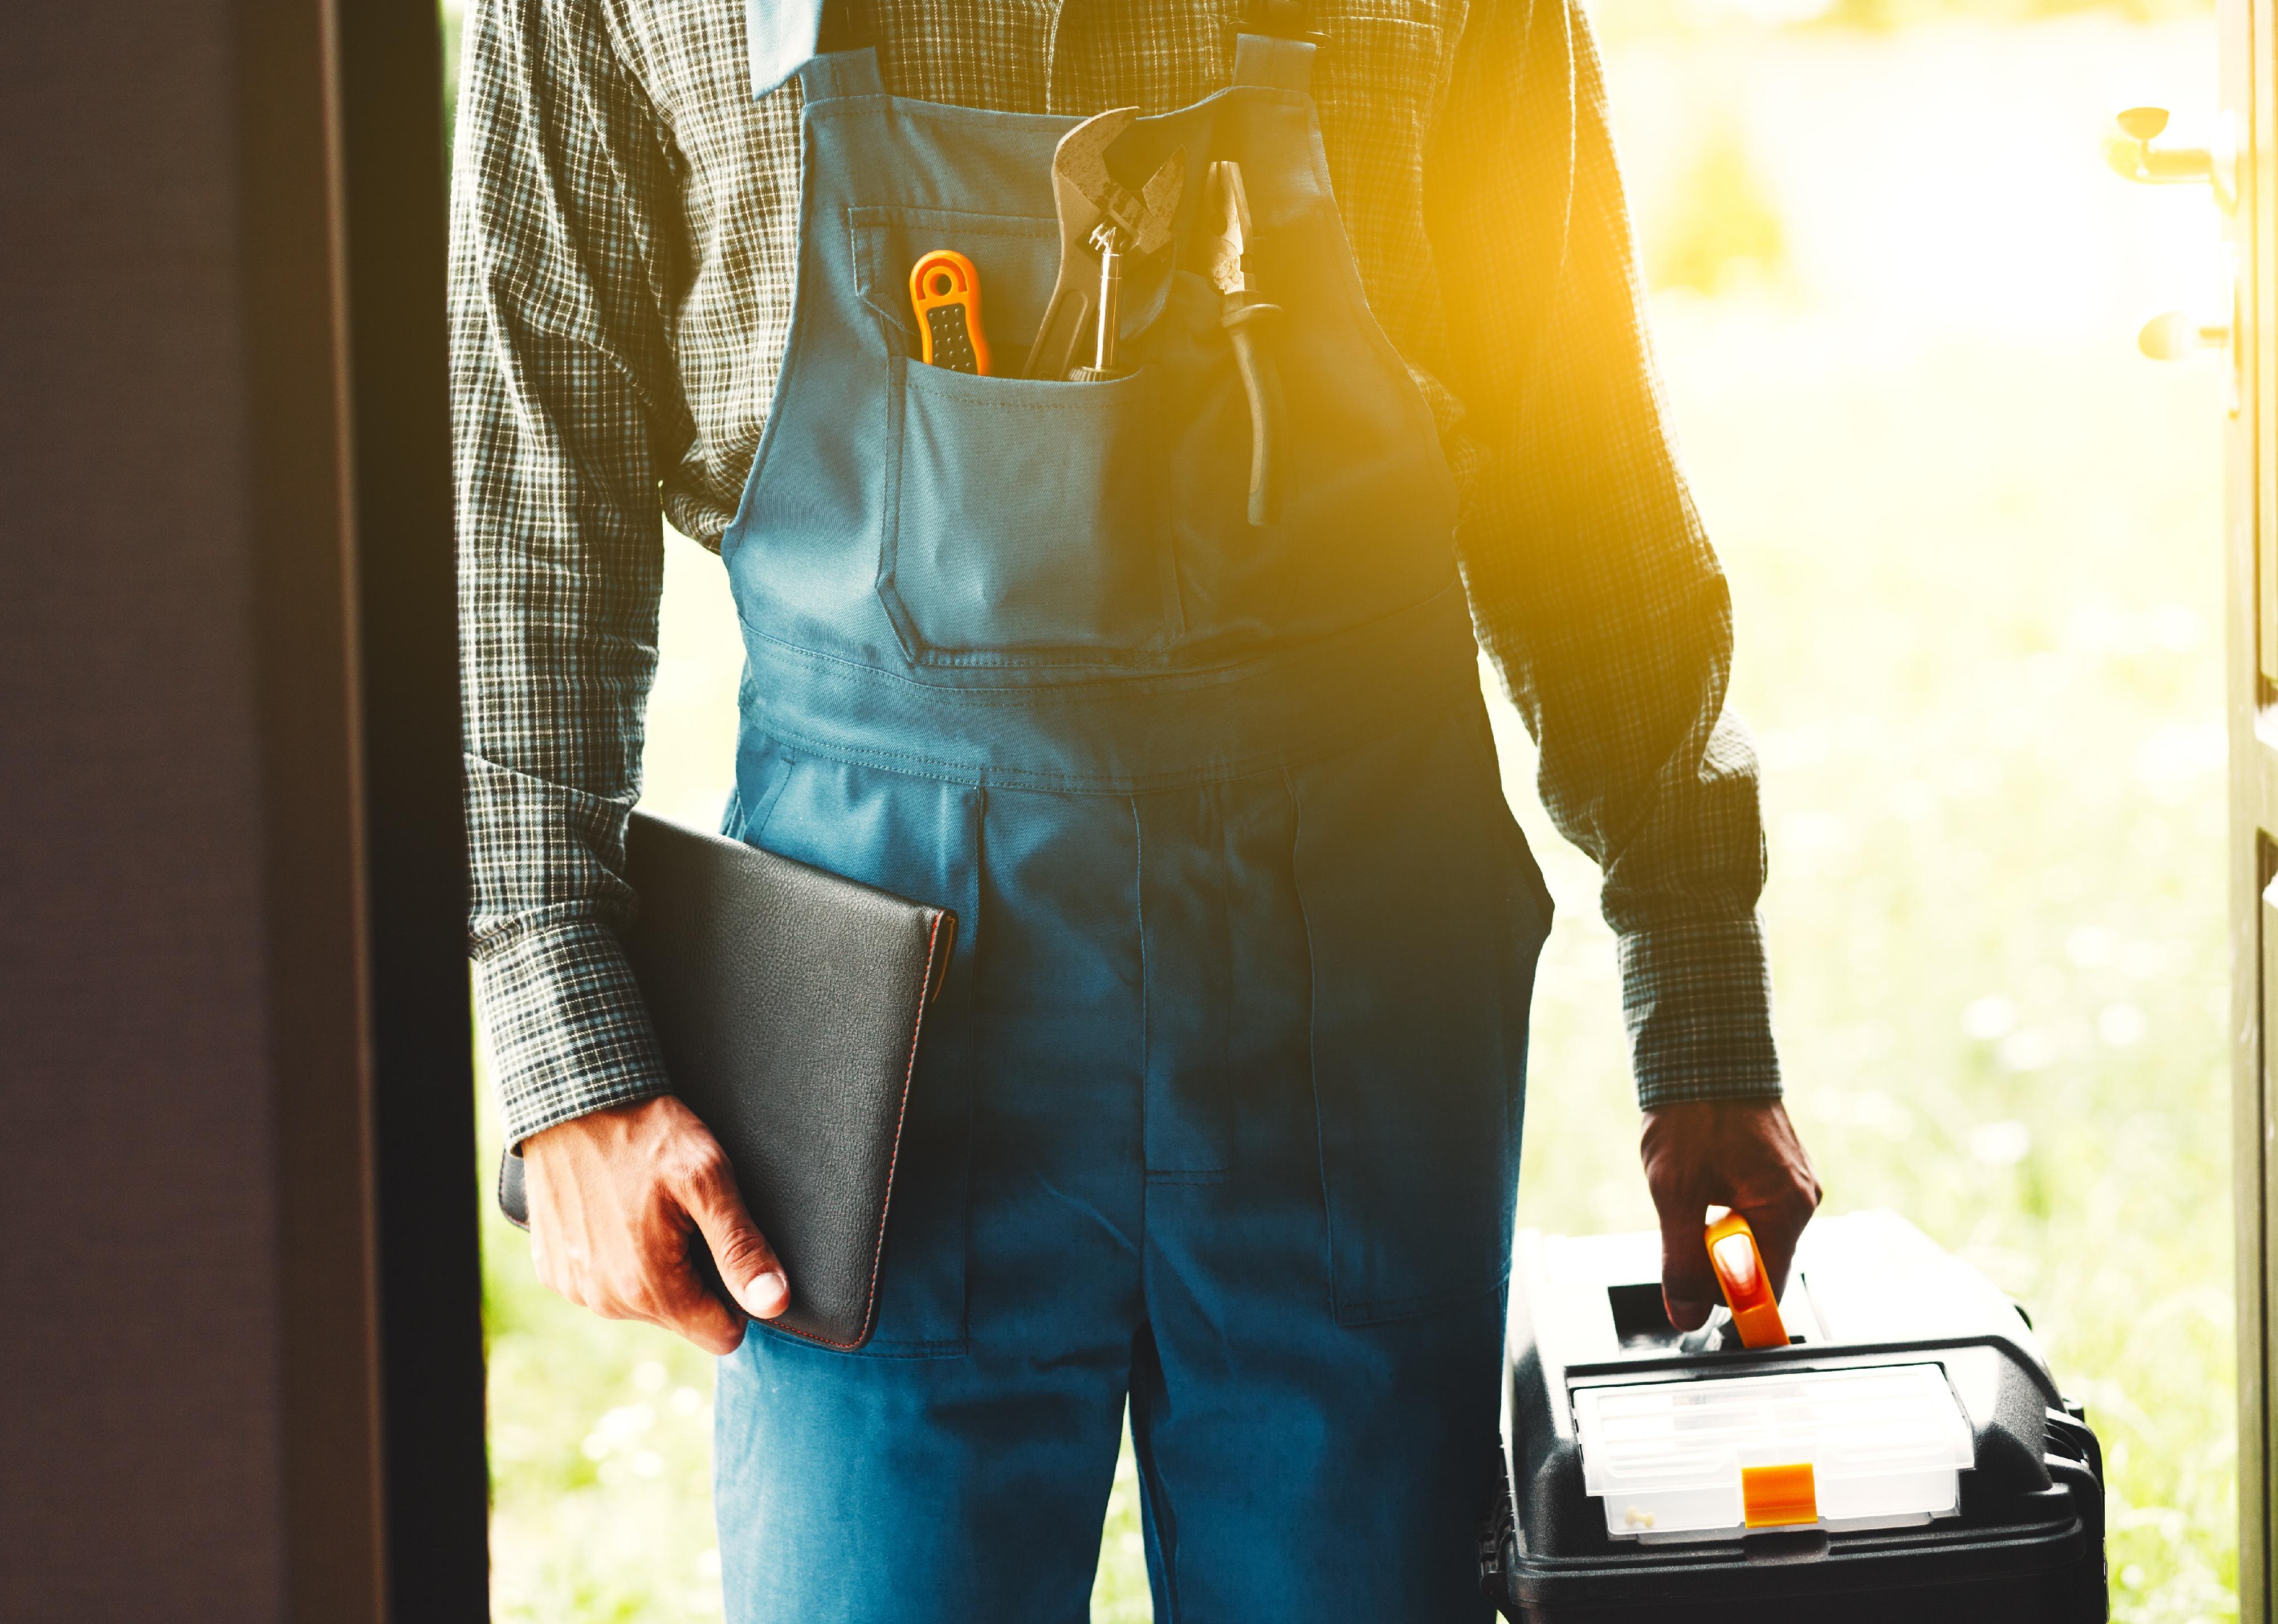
1778,1496
1748,1290
945,291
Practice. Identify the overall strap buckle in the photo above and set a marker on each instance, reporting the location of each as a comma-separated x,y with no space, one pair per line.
1273,46
841,74
1281,20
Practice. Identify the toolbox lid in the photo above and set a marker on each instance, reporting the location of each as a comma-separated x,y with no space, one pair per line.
1711,1457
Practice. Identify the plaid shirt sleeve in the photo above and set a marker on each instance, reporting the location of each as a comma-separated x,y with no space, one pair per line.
1593,584
621,232
562,386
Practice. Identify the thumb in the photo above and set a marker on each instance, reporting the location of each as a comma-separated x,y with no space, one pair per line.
747,1263
1688,1287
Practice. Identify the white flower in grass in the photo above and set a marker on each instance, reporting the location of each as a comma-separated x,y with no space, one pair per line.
1988,1018
2121,1025
2001,1144
2027,1048
2143,959
616,1429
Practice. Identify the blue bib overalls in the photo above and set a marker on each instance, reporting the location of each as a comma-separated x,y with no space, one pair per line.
1220,1106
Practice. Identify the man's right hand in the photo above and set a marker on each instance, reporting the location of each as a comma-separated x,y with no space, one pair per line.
622,1203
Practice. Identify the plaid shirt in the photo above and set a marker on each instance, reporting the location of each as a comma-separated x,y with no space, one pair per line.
624,222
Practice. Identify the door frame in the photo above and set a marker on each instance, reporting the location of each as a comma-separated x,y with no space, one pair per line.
392,209
2248,99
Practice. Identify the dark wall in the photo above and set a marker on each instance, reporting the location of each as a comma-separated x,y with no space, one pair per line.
194,1208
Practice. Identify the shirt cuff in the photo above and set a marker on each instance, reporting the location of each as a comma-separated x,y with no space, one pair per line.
567,1033
1698,1001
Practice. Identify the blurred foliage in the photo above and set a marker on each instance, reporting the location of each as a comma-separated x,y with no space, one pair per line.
1624,21
1989,708
454,18
1973,541
1722,227
1883,16
600,1444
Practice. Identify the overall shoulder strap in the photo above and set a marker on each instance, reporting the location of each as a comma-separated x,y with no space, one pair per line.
840,73
1274,63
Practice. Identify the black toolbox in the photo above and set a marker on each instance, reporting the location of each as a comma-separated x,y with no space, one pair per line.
1908,1458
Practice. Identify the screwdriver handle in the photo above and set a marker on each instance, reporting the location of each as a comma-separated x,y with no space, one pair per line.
1110,320
1250,322
946,292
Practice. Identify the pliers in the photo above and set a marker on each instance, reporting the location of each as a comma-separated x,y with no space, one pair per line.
1248,320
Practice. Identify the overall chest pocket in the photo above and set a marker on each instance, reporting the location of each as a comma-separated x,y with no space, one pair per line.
1027,522
1028,519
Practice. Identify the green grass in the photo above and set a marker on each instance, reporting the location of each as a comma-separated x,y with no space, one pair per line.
601,1452
1995,794
1973,541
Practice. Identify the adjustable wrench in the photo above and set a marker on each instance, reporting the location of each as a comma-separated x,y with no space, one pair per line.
1102,222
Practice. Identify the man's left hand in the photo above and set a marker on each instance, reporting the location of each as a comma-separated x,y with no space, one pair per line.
1741,1154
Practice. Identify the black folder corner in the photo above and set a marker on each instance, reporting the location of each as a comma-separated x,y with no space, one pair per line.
789,1002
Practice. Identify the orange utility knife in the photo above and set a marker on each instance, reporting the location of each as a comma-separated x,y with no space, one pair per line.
1747,1289
945,291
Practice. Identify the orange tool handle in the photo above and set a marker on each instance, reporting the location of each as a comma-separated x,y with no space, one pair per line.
1747,1289
945,291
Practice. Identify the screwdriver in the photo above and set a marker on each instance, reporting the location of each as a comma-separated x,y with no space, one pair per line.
1109,241
946,292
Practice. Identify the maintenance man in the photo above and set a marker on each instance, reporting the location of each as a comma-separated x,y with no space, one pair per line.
1218,1114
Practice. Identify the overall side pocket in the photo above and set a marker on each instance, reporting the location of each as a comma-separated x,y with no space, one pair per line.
1422,933
1028,521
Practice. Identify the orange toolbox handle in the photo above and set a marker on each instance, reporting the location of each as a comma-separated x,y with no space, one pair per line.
1740,1276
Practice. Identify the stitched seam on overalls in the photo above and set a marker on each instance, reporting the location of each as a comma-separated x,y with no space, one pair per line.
1032,695
876,290
1313,1038
916,108
918,766
1361,1310
1146,985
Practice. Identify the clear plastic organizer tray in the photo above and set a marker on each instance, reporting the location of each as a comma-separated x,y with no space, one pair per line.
1879,1446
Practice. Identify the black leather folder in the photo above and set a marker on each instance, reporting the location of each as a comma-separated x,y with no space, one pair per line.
789,1002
